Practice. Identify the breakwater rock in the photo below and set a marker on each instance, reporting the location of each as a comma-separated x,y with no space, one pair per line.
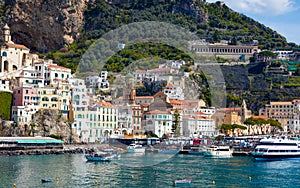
41,151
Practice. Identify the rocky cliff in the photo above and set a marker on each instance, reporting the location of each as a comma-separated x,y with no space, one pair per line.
44,25
45,123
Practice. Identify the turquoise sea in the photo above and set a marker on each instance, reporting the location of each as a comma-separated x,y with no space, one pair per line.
72,170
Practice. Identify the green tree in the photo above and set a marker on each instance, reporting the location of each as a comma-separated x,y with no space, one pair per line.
266,55
176,123
231,127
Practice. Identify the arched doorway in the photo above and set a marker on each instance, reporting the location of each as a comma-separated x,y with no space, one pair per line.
6,65
23,59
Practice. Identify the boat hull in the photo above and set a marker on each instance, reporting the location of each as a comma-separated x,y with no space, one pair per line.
97,159
136,150
169,151
264,156
184,182
200,152
217,154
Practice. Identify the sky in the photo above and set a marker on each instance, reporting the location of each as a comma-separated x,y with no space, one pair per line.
282,16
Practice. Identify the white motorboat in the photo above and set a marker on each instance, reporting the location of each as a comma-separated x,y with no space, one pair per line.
135,148
276,148
218,151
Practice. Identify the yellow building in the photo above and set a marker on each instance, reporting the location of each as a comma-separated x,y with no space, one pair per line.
57,98
48,98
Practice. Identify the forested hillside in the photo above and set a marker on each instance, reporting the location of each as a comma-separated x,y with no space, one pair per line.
210,21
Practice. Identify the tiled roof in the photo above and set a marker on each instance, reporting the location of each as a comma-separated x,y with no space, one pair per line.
158,112
144,97
195,117
57,66
262,117
175,102
13,45
106,104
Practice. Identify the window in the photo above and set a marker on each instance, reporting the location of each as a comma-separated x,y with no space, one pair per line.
54,99
45,99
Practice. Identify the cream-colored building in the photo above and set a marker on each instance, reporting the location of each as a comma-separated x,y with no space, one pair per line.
224,50
101,122
48,98
13,56
280,111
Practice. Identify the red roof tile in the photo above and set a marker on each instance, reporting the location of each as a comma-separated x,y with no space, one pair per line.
158,112
20,46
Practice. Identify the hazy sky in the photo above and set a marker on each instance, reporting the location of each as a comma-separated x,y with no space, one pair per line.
282,16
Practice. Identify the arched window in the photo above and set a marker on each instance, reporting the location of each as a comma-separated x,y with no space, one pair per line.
45,99
4,54
54,99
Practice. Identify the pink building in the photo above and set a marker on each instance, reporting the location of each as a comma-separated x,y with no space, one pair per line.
25,96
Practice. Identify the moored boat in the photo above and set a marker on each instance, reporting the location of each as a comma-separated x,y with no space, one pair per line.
196,151
135,148
99,156
218,151
276,149
186,181
47,180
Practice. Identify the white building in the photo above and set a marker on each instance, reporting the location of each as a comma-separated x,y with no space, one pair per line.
4,85
158,122
151,75
198,126
283,54
56,74
13,56
97,123
80,102
173,92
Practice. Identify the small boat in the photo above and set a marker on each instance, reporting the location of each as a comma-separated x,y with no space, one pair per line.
135,148
218,151
48,180
187,181
99,157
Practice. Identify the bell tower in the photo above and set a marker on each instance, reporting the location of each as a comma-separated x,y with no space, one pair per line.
6,34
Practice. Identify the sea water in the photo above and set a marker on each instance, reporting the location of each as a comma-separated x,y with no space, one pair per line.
72,170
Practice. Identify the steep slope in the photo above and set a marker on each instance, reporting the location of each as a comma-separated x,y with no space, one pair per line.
44,25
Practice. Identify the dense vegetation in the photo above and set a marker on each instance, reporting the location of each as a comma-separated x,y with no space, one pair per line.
5,105
210,21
